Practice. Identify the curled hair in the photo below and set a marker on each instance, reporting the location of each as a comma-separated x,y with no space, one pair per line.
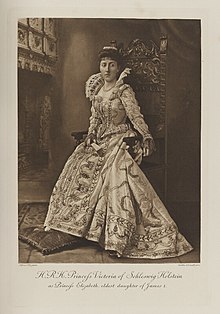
112,53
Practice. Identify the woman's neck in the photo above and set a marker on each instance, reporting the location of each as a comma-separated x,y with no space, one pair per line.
108,86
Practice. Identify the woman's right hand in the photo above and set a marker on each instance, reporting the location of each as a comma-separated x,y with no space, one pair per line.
90,138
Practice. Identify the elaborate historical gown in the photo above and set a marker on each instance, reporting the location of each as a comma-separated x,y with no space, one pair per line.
102,194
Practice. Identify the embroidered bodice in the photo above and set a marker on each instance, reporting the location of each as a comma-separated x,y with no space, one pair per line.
110,110
118,108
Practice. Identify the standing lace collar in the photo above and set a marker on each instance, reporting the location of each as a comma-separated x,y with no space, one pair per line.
95,83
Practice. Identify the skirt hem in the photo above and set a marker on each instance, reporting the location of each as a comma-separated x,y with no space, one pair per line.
121,255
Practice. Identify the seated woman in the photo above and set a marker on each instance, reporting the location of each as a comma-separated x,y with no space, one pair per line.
102,194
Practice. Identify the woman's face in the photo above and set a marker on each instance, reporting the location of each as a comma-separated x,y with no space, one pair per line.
109,69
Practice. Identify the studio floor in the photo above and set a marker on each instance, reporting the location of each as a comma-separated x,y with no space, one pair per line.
93,254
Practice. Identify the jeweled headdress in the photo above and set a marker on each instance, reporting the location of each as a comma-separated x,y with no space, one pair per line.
111,51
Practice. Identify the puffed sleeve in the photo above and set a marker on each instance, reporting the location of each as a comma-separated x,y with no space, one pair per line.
94,121
132,109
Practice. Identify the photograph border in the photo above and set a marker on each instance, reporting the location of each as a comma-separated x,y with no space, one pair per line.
197,290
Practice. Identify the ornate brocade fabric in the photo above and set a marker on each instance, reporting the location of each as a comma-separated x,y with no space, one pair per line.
105,197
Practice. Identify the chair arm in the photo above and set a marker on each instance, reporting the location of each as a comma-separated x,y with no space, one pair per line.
131,141
79,136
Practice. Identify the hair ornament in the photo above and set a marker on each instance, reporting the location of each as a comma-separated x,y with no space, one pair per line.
110,47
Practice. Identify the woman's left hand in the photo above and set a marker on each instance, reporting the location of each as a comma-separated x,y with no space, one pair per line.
148,147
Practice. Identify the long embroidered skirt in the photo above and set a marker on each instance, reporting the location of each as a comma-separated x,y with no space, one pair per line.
105,197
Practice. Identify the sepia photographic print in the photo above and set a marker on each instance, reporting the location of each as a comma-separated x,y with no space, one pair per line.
109,130
109,157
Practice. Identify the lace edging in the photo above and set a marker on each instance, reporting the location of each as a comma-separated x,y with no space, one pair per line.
96,81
